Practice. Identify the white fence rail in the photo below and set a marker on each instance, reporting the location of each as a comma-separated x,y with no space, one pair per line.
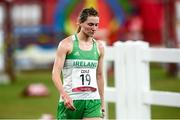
132,94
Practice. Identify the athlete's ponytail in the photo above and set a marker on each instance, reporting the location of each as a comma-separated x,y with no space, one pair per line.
79,29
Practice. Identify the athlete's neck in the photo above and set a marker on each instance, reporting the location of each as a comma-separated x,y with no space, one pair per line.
83,37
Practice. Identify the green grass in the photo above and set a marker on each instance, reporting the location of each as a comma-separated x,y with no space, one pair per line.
14,105
161,81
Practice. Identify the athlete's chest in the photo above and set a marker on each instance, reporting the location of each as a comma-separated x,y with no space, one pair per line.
80,63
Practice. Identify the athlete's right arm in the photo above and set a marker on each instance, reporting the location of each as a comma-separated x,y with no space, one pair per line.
63,49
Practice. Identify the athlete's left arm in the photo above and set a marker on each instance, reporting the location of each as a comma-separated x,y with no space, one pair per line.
100,78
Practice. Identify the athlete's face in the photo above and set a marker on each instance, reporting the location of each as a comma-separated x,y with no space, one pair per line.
90,26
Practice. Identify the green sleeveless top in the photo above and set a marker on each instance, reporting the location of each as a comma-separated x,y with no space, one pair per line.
77,53
79,72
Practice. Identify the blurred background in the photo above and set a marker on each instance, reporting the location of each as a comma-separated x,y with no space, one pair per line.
30,31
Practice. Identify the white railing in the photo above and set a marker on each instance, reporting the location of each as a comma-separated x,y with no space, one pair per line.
132,94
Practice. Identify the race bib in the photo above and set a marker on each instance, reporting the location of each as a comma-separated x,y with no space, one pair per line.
84,80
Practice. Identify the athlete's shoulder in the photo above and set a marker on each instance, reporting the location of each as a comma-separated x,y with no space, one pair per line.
100,46
100,43
66,43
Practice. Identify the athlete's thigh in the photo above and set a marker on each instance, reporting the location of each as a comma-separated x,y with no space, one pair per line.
92,109
65,113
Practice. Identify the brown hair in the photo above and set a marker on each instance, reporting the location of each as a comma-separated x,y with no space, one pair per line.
85,13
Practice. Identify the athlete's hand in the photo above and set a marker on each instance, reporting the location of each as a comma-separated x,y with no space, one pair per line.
103,113
68,102
103,109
